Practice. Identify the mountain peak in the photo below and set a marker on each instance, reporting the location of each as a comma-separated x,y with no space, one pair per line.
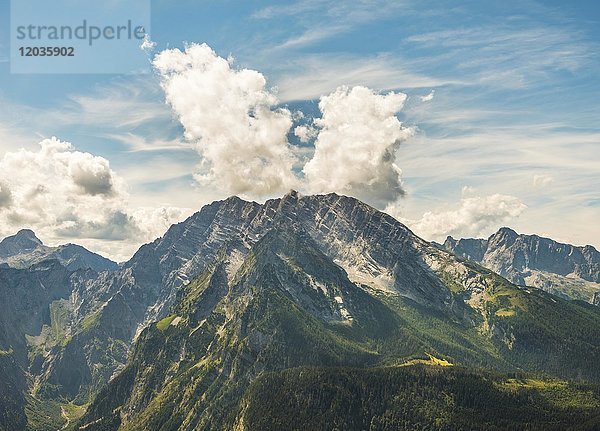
28,234
570,271
505,235
23,241
233,198
24,249
506,231
292,195
450,241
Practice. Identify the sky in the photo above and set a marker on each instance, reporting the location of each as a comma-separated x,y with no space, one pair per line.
456,117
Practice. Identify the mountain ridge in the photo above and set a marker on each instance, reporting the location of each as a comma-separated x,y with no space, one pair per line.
570,271
24,249
241,288
261,295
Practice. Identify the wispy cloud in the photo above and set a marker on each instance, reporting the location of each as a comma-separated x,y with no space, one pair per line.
137,143
293,9
521,52
13,137
165,180
427,97
515,54
121,104
314,75
356,11
310,37
554,172
127,103
320,20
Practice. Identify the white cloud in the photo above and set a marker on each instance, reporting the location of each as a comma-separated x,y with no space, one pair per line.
542,181
321,19
120,104
503,158
230,115
311,36
306,133
5,196
147,45
62,193
61,189
428,97
153,222
12,137
355,148
293,9
506,55
468,191
137,143
310,76
476,216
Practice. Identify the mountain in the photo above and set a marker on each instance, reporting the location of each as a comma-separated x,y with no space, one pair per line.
25,249
198,326
24,241
36,304
241,291
40,291
563,269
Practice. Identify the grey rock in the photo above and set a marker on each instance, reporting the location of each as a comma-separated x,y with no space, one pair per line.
567,270
22,242
25,249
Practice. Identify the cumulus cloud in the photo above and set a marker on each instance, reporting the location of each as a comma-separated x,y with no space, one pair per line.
92,174
63,193
242,136
113,225
57,187
476,216
5,196
428,97
305,133
154,221
358,135
234,122
230,114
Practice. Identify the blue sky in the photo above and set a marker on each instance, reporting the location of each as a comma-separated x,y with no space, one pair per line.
513,110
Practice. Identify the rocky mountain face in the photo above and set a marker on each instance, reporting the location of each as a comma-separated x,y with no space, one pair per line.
563,269
238,290
365,242
35,320
242,289
25,249
39,291
24,241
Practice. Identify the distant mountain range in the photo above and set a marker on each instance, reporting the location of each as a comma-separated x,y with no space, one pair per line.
529,260
25,249
305,312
